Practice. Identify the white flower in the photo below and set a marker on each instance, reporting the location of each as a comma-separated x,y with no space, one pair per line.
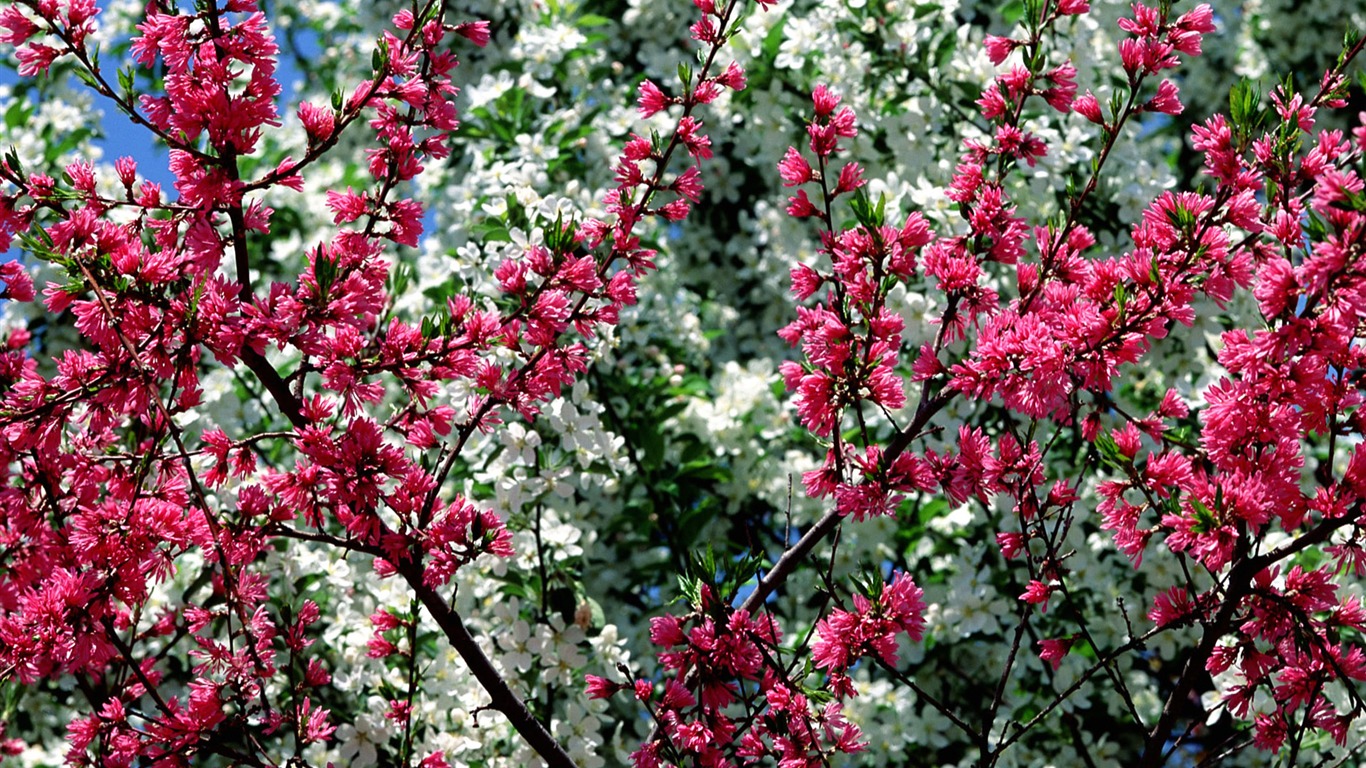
520,441
360,740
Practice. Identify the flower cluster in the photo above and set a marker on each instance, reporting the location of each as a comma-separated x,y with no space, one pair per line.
716,664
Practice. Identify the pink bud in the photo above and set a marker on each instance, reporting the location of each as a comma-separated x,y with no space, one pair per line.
476,32
1088,107
317,121
825,100
600,687
1167,101
794,169
998,48
652,101
127,169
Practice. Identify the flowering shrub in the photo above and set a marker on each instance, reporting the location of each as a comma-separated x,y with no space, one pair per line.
420,426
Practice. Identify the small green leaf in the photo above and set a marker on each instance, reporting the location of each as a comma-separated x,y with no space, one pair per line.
325,271
943,52
1110,454
16,114
1204,518
870,215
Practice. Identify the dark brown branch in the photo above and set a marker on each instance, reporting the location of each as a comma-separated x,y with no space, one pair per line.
502,696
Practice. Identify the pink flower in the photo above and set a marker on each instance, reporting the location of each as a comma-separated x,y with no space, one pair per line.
676,210
380,648
1173,406
805,281
347,206
318,122
1131,54
998,48
815,406
825,100
800,207
316,725
871,628
992,102
1171,607
1186,35
850,179
18,284
1088,107
651,100
1199,19
127,169
733,78
383,621
1053,651
823,139
19,27
1064,79
704,30
1036,593
600,687
1167,101
903,602
698,144
35,58
794,169
1128,439
689,184
1011,544
476,32
666,631
435,760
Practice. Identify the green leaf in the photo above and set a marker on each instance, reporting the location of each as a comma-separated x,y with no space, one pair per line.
1244,105
1013,11
870,215
1110,454
126,80
943,51
325,271
1204,518
87,78
925,9
490,230
16,114
379,58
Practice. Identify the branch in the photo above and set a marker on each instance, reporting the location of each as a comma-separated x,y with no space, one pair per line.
503,698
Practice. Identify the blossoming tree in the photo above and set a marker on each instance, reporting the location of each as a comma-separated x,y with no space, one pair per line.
551,427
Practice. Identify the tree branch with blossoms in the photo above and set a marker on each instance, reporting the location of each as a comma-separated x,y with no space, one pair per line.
219,96
321,576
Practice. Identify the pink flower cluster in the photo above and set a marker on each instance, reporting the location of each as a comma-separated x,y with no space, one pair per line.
870,629
852,340
1054,350
718,659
